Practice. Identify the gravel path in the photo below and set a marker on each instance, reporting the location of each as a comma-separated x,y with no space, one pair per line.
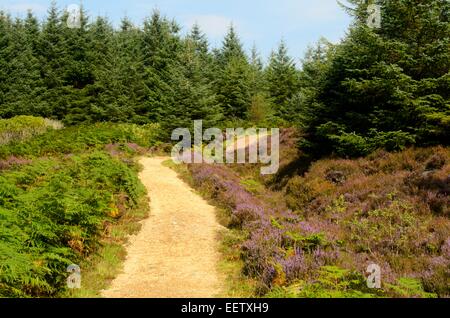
175,253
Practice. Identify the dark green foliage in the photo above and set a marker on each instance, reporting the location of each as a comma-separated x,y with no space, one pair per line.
231,48
140,75
233,77
20,78
192,96
282,81
118,72
384,87
234,88
52,213
160,43
51,55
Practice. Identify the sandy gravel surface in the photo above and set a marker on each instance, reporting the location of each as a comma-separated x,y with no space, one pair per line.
175,254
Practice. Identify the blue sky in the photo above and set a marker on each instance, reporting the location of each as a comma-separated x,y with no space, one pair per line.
263,22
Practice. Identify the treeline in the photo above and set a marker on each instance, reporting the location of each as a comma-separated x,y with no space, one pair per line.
381,88
386,87
134,74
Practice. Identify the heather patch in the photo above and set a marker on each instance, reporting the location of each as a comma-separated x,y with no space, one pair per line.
342,215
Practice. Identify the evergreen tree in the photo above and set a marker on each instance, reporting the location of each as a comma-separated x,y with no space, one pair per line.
256,72
201,46
192,93
106,87
231,49
131,70
32,31
314,69
78,72
282,81
234,94
5,41
22,84
386,87
118,71
199,40
52,57
233,83
160,44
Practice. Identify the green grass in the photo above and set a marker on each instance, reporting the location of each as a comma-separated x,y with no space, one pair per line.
253,186
237,285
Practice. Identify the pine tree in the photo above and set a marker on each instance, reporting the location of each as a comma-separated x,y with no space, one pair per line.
131,70
5,42
314,70
234,94
52,57
231,48
199,40
160,44
386,87
118,71
282,81
78,72
22,83
192,93
233,77
32,31
256,72
106,87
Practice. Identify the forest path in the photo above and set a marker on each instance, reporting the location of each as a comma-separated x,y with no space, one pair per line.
175,255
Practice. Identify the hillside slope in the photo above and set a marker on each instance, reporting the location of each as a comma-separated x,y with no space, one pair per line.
316,234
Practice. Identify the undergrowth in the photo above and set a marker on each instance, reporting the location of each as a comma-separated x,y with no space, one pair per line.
316,236
69,196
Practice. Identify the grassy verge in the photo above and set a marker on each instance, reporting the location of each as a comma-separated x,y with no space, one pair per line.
101,268
231,266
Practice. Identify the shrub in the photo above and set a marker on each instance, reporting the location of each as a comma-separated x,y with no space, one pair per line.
22,128
52,213
396,229
387,208
331,282
77,139
301,191
409,287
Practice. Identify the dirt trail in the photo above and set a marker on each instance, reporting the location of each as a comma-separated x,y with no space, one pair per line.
175,253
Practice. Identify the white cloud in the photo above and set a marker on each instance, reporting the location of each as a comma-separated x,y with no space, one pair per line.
24,7
214,26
